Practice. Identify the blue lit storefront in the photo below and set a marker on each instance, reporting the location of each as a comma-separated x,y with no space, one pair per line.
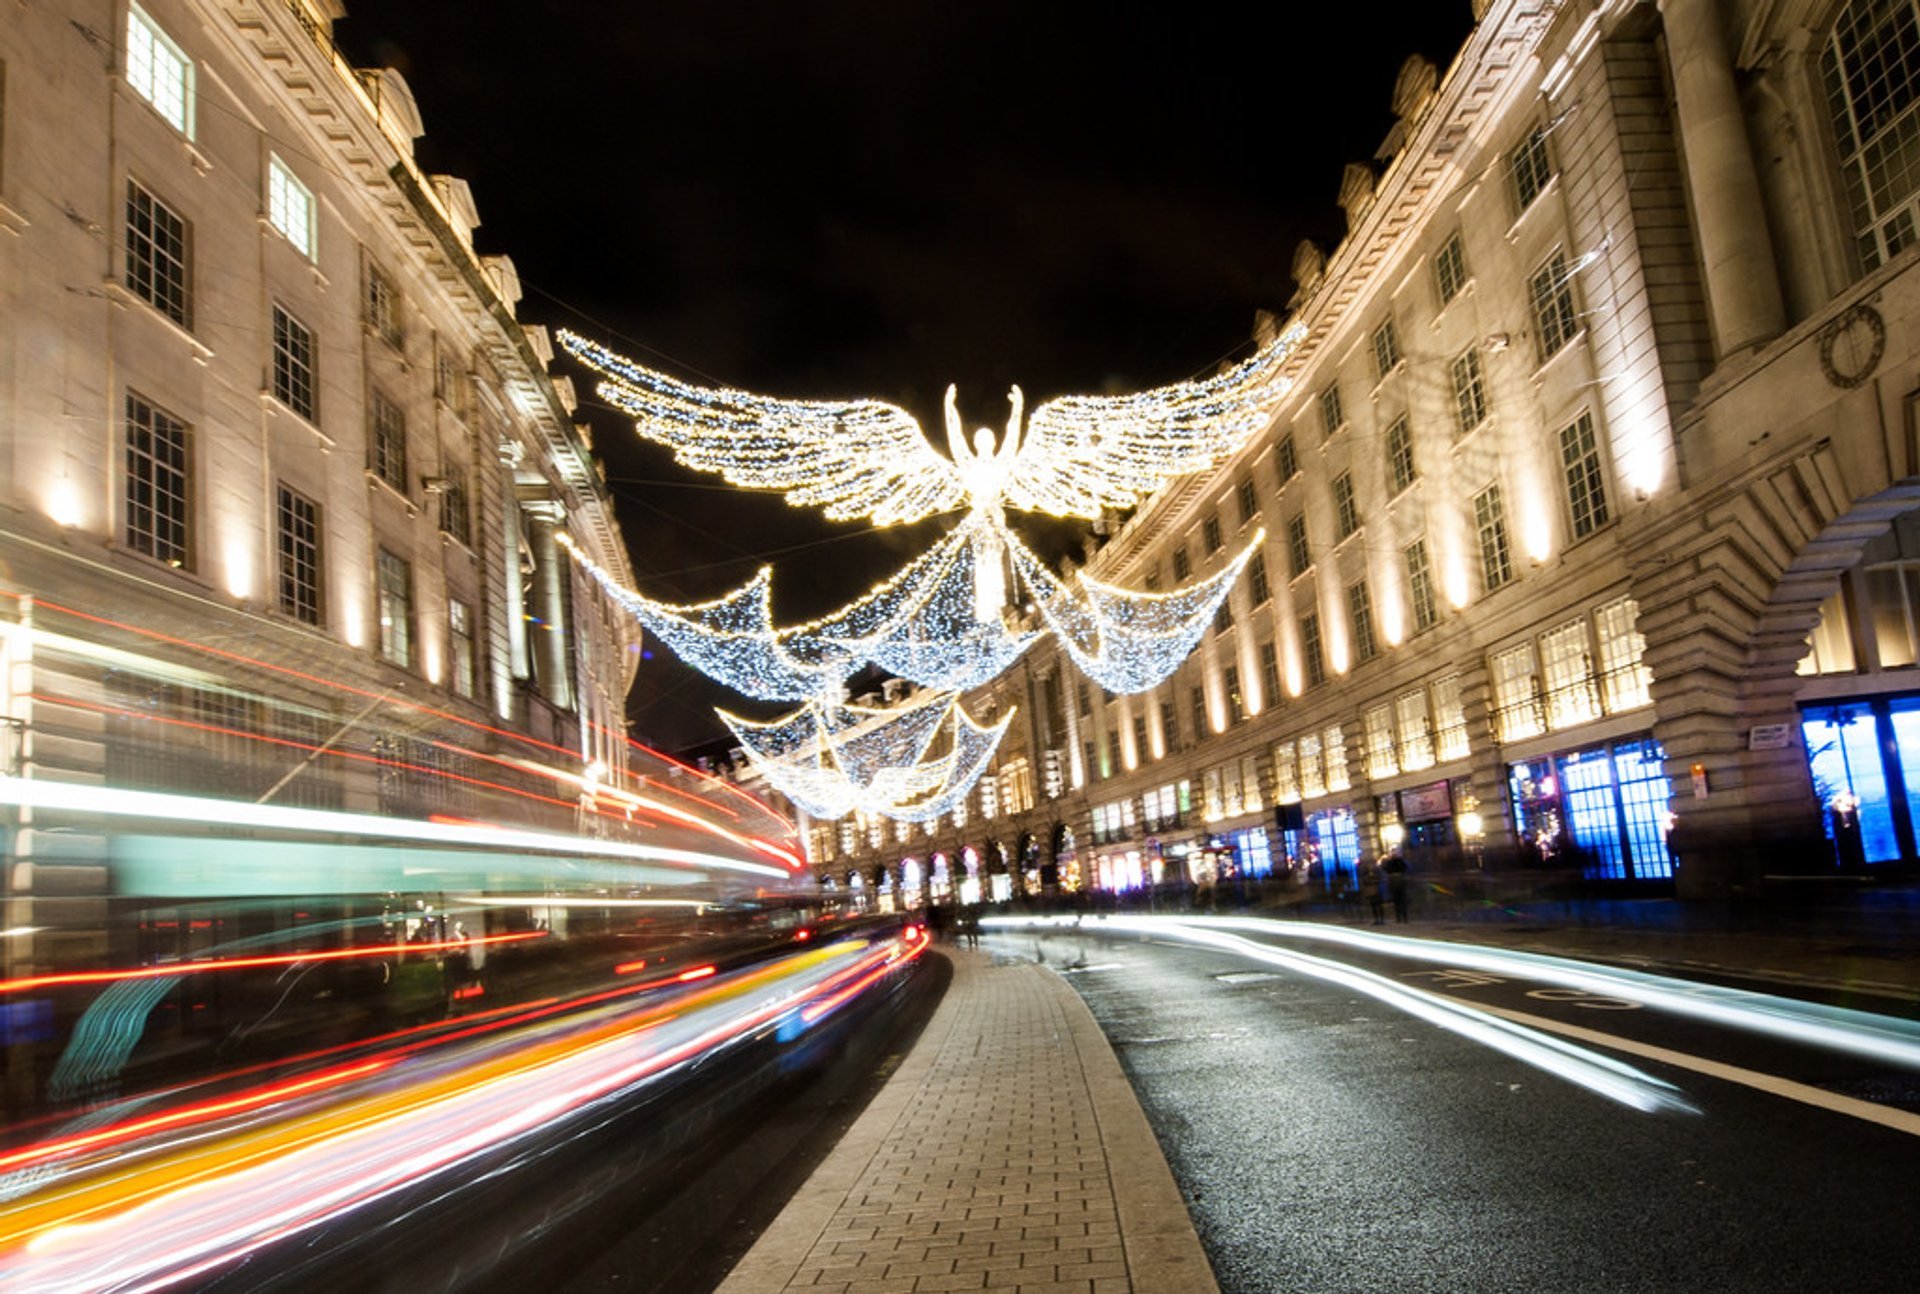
1601,808
1859,752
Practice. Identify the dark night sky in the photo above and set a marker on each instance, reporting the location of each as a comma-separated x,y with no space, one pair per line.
846,197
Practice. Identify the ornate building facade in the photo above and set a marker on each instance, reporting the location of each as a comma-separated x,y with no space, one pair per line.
281,475
1589,534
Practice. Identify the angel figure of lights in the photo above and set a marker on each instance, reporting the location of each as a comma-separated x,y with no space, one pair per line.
941,621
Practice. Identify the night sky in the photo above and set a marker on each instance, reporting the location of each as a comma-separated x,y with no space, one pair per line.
848,198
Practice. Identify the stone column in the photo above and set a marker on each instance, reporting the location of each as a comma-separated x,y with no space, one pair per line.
1743,283
550,572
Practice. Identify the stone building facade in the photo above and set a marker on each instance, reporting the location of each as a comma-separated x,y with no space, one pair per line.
281,475
1587,536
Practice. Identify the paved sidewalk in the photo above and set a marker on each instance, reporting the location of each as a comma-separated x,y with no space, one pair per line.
1007,1153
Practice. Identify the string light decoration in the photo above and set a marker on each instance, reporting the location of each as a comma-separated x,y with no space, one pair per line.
941,621
832,760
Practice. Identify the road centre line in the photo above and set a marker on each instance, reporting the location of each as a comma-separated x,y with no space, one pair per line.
1886,1116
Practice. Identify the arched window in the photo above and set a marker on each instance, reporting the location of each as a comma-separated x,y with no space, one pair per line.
1871,69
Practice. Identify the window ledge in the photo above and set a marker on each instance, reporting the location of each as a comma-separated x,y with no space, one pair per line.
1540,369
198,351
275,407
378,482
11,220
1466,289
1551,187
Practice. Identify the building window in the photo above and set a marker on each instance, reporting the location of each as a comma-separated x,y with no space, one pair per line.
1469,390
298,525
1202,723
1386,349
1530,169
1490,528
1285,461
1346,516
1312,658
1586,491
1550,291
1450,269
1114,766
1257,585
1400,471
1223,616
1153,578
1360,615
1516,694
456,511
158,251
1567,664
1299,556
1449,719
1334,744
1871,65
1420,586
1140,747
289,205
1269,674
1169,725
1182,567
395,581
1016,785
1312,771
159,484
1624,678
1332,417
460,637
1083,701
1236,699
1416,737
450,385
387,442
1210,532
293,374
1286,774
158,71
383,305
1383,759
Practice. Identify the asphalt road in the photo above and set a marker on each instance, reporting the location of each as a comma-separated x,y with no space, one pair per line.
1333,1132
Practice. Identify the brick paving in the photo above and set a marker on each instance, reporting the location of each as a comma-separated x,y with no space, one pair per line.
1007,1153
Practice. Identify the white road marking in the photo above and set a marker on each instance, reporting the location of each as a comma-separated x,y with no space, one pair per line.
1886,1116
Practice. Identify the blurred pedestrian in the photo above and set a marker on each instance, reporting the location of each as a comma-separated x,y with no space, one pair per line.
1373,883
1395,868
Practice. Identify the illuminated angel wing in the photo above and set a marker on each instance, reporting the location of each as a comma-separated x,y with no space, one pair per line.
1085,453
851,458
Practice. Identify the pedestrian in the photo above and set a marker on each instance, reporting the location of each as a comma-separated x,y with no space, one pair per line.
1395,868
970,924
1373,883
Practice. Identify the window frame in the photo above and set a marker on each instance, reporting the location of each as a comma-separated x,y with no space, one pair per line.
1449,284
158,484
1386,349
1402,472
143,247
1530,170
139,20
1470,404
295,368
284,186
1346,508
1552,302
1299,550
1360,622
386,439
299,571
1491,539
394,640
1333,414
1583,473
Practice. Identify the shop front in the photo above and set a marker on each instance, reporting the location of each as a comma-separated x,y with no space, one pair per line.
1601,808
1864,755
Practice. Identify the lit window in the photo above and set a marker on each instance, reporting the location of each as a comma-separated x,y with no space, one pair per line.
1624,677
395,581
1516,694
1830,645
293,375
1449,719
1313,774
1586,490
289,205
387,442
158,248
1332,417
1360,615
1490,529
1450,269
1382,758
1469,390
299,545
159,472
1386,349
1334,749
1550,291
1871,66
1400,472
1346,515
158,71
1530,169
1285,461
1416,737
1286,780
1420,586
1299,556
1568,665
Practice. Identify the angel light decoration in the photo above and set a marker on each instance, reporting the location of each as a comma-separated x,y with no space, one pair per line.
940,622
